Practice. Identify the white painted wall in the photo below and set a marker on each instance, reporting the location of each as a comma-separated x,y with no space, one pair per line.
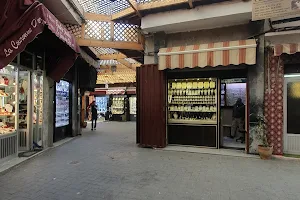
203,17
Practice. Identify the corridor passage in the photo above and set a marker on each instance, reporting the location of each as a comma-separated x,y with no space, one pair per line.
107,164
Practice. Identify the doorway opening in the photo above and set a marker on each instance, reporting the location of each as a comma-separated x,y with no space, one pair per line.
233,107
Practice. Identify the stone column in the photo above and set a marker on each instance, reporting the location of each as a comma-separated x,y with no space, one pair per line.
256,89
152,46
48,111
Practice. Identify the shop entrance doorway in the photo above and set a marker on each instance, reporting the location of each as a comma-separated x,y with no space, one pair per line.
233,107
292,114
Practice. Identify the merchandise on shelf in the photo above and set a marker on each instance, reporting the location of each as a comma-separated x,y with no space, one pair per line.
7,100
132,105
38,99
62,104
192,101
117,107
23,92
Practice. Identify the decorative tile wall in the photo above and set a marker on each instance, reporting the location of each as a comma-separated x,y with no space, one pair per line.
274,86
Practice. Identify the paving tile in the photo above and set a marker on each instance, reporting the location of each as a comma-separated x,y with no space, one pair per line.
107,164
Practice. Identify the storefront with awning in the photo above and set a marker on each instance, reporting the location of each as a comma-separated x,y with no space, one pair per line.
282,99
22,22
192,93
34,45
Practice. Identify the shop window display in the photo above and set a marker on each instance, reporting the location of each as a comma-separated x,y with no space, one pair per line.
102,104
37,109
23,97
7,100
118,105
192,101
62,104
132,105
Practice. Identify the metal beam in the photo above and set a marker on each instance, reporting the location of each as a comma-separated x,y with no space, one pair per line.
109,44
134,6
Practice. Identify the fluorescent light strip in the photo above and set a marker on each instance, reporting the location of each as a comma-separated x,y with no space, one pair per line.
291,75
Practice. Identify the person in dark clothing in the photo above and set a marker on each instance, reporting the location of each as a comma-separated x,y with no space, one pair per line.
93,107
238,117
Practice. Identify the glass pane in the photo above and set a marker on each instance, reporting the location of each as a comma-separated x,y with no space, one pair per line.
62,104
192,101
235,91
23,91
7,100
37,109
293,107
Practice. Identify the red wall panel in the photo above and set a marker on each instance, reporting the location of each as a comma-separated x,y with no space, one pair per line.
151,106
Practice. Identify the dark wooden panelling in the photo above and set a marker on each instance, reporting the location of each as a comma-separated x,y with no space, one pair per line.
192,135
151,106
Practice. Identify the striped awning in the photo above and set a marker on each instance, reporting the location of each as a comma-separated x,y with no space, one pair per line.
116,91
286,48
213,54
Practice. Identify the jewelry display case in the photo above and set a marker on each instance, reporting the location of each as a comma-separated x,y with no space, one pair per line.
118,105
192,101
193,111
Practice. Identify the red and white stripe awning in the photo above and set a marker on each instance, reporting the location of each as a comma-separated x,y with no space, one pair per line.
213,54
286,48
115,92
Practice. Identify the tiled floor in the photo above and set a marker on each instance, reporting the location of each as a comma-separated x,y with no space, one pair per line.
232,143
107,164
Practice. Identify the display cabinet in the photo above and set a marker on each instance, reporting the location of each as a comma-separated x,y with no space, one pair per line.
193,108
8,119
118,105
132,105
192,101
37,117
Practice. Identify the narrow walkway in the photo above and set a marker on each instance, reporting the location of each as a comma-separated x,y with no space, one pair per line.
107,164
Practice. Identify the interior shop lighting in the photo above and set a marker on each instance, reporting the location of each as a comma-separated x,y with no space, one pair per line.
13,67
291,75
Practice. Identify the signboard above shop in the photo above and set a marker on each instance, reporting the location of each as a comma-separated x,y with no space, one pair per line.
265,9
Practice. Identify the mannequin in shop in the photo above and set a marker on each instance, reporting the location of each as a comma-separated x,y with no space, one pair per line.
238,119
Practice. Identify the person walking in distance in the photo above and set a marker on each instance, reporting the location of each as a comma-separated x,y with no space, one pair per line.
238,117
93,107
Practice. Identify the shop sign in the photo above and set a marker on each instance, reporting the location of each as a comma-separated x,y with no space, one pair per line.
33,24
264,9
